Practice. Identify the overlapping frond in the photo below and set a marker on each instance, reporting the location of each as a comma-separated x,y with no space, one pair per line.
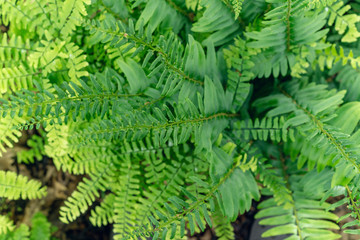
264,129
178,211
286,30
223,228
313,107
344,24
219,21
240,72
307,218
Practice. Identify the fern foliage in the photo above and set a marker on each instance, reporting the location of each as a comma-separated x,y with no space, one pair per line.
306,218
15,187
180,114
40,229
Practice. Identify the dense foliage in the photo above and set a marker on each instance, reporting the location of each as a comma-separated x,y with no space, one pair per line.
182,113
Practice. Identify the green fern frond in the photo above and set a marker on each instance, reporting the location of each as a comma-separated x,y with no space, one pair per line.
307,218
6,225
103,214
127,192
16,78
286,31
167,57
315,156
174,177
348,79
265,129
68,19
349,195
68,102
36,151
311,115
345,24
27,15
13,51
86,192
185,119
76,63
333,54
116,8
223,228
221,26
271,177
163,14
13,186
40,227
240,72
8,133
20,233
224,177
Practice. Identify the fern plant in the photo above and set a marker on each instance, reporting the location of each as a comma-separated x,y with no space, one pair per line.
41,228
180,114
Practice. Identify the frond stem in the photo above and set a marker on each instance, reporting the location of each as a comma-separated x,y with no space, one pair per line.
320,126
352,201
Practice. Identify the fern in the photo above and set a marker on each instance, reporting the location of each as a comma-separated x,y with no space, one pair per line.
307,218
344,24
6,225
223,228
15,187
223,26
180,114
40,229
174,220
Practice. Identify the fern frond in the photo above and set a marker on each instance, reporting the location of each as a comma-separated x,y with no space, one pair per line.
116,8
287,30
217,20
223,228
86,192
16,78
240,72
104,214
351,200
345,24
40,227
313,106
315,156
174,175
306,218
179,68
225,178
5,225
27,15
264,129
252,9
348,79
333,54
68,102
178,125
127,192
13,50
163,14
13,186
271,177
22,232
36,151
76,62
9,134
68,19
